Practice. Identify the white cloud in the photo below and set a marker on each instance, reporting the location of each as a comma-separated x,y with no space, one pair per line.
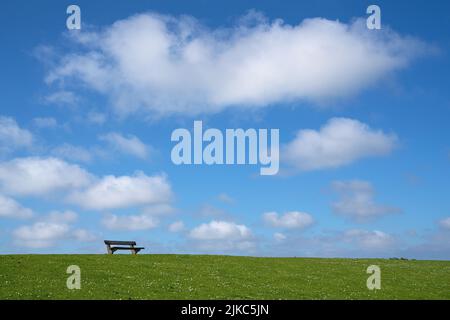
49,230
164,65
220,236
445,223
9,208
62,98
177,226
96,117
357,201
340,142
61,217
40,234
279,237
72,153
225,198
112,192
355,243
220,230
45,122
371,240
207,210
43,176
40,176
129,145
147,219
159,209
12,136
289,220
130,222
84,235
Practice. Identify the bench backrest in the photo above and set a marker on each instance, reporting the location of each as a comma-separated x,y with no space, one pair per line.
112,242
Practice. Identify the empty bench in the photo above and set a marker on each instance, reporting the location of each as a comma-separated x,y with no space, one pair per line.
112,246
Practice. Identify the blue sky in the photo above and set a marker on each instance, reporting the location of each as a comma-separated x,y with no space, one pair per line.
86,119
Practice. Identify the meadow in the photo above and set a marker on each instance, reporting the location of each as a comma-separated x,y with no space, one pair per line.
218,277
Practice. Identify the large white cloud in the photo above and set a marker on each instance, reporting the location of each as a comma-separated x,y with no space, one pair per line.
339,142
356,201
9,208
288,220
40,176
12,136
164,64
111,192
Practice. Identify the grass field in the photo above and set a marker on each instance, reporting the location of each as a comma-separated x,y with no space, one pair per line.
218,277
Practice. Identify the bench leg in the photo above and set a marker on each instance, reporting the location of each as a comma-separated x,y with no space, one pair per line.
135,251
108,248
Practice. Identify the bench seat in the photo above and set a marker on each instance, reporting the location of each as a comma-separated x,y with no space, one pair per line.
112,246
127,248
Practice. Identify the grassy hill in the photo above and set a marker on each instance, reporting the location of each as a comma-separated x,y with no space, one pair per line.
218,277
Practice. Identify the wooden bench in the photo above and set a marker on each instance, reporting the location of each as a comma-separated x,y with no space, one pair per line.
112,246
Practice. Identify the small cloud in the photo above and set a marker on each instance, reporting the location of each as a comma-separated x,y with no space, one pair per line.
61,217
130,144
84,235
72,153
112,192
289,220
356,201
130,222
219,236
225,198
45,122
445,223
12,137
177,226
220,230
340,142
40,234
49,230
371,240
207,210
96,118
62,98
40,176
160,209
9,208
279,237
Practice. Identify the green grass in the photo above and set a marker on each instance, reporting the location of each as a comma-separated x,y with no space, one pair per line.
218,277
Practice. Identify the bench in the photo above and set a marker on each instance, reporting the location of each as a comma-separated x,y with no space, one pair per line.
112,246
